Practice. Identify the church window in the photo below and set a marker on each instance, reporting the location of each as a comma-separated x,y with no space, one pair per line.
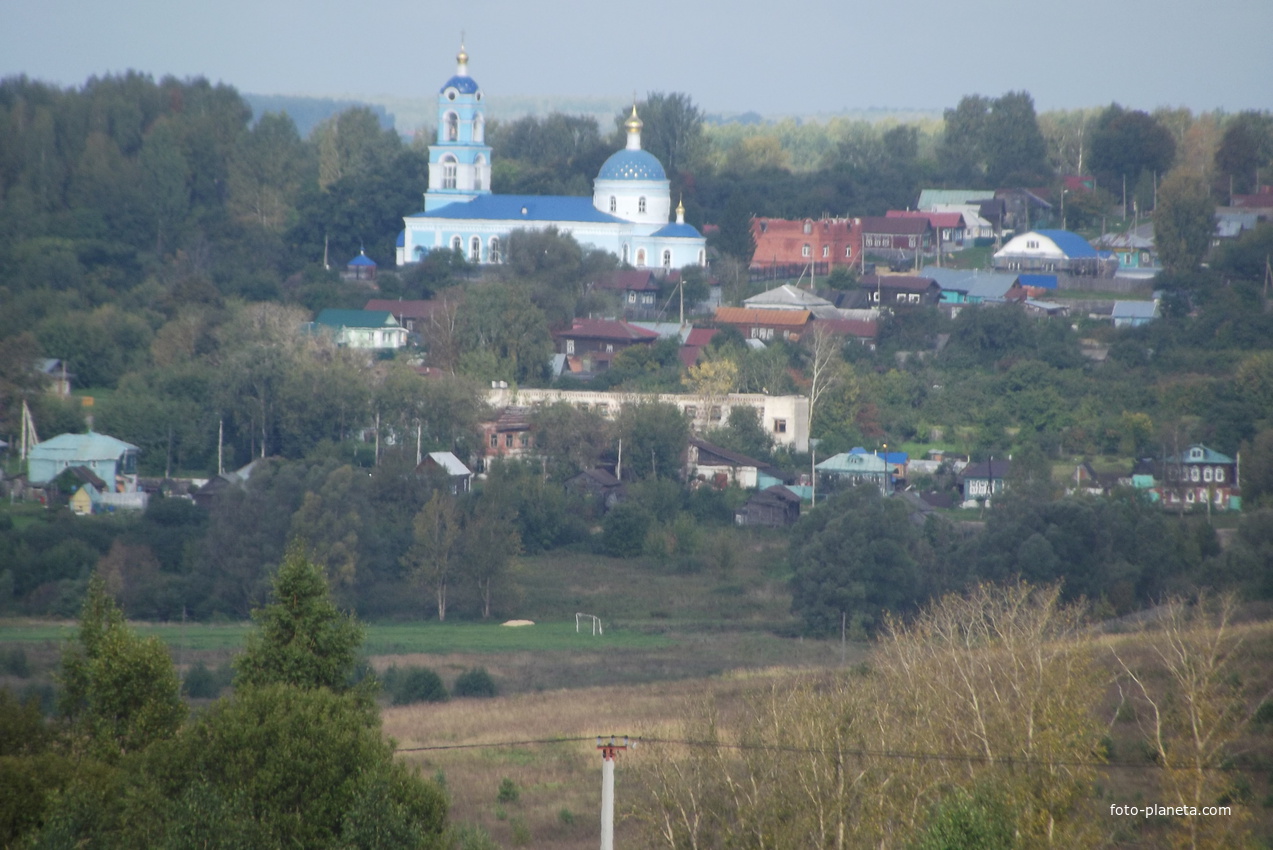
475,250
702,258
452,127
479,167
667,259
641,204
493,250
640,258
457,244
479,128
449,170
625,253
614,203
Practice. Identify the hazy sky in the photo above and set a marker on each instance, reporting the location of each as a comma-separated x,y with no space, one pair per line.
770,56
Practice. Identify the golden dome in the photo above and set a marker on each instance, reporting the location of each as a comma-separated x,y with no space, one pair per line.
633,124
462,57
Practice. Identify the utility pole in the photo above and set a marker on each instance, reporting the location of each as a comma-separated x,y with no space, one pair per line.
609,750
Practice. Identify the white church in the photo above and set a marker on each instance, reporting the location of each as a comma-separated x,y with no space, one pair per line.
628,215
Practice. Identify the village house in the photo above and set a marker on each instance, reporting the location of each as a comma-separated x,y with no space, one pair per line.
375,330
722,467
853,467
785,248
765,325
414,315
507,435
459,476
773,507
982,482
897,239
1199,476
590,344
900,290
948,227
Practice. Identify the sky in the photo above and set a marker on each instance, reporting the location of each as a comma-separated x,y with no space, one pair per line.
766,56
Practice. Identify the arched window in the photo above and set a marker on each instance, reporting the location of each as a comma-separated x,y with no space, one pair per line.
475,250
457,244
702,257
808,226
493,250
625,253
449,169
452,127
614,204
479,166
805,250
667,259
640,258
641,204
1219,473
479,128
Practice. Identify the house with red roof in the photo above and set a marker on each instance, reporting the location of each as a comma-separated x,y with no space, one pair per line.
765,324
783,245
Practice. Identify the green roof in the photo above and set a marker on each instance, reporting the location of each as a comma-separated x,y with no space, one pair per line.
356,319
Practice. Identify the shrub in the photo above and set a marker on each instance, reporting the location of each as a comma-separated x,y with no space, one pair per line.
474,683
416,684
508,792
201,683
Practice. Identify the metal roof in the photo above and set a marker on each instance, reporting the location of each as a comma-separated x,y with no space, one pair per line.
523,208
632,165
81,447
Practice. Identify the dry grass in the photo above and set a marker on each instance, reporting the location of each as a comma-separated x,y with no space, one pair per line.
555,776
566,775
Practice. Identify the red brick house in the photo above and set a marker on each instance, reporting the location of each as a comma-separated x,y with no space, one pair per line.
784,243
509,434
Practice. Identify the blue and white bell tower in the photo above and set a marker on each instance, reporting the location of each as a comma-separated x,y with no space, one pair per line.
460,161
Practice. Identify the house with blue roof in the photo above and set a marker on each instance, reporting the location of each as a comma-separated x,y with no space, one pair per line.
629,213
113,462
1133,314
1053,251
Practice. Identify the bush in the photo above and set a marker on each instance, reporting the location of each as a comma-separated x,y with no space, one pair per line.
202,683
474,683
508,792
415,684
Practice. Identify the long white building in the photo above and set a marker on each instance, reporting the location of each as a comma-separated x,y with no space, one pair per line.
784,417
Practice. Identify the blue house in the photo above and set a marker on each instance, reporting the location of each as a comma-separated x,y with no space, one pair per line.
111,460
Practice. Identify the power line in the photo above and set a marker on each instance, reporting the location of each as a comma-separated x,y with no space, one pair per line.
900,755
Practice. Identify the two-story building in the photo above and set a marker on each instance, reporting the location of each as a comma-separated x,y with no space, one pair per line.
590,344
364,329
765,325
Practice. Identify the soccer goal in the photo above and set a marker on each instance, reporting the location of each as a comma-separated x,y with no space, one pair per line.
596,623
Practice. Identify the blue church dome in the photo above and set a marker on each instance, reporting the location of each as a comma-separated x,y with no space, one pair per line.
632,165
463,84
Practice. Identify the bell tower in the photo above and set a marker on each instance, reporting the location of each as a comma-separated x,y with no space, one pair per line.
459,159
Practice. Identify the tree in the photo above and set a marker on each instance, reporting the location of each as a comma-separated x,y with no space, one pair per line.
1194,719
489,542
434,552
735,238
1016,153
266,172
824,365
654,436
855,556
571,440
673,130
960,152
1245,149
120,693
1127,144
1183,222
297,766
302,639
